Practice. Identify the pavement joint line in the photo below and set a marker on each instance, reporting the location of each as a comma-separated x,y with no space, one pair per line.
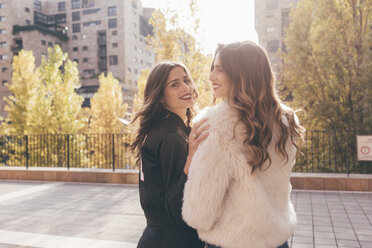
30,190
331,191
48,241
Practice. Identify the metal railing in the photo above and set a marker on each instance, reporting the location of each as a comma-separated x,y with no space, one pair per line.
109,151
331,151
324,151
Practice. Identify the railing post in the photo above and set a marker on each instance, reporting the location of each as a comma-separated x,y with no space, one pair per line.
68,152
26,151
113,152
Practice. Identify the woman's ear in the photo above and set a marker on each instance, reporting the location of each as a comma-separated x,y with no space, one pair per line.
162,100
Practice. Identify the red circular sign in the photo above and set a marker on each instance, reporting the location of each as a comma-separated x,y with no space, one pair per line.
365,149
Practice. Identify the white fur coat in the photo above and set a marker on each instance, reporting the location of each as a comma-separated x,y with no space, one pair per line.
227,205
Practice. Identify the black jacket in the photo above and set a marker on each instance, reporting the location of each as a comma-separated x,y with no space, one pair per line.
162,179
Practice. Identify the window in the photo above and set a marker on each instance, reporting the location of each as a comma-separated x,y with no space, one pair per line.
76,16
141,62
50,44
111,11
88,72
75,49
271,4
43,42
2,44
61,6
272,46
88,3
114,44
75,4
59,44
134,59
2,18
76,28
129,69
2,5
3,57
4,82
113,60
27,10
2,31
93,23
85,60
37,5
61,18
74,37
114,32
28,22
135,37
112,23
76,60
135,71
91,11
85,48
4,69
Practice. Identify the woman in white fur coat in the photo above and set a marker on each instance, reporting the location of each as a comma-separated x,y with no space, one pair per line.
237,194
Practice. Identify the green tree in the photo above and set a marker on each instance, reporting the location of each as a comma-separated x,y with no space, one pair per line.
327,70
328,65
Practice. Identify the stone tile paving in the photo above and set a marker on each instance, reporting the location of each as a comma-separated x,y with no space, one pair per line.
36,214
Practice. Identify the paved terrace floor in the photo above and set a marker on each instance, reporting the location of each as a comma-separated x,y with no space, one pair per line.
54,215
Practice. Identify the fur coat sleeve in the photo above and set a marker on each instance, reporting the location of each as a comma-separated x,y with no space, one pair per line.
210,164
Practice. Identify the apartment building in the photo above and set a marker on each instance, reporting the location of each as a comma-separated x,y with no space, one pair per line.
271,18
101,36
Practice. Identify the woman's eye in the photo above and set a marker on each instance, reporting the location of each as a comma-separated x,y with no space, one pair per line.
174,85
187,81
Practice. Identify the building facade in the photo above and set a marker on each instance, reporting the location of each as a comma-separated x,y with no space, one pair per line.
271,18
101,36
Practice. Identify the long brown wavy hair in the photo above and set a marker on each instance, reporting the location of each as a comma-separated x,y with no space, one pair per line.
150,112
253,96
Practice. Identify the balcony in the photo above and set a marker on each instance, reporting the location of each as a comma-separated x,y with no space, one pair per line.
102,53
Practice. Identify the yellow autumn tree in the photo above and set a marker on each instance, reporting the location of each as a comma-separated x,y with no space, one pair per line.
107,106
25,82
171,41
106,131
55,113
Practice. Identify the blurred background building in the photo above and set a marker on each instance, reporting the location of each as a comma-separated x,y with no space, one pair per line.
271,18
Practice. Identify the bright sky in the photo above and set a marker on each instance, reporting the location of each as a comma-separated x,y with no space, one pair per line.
221,21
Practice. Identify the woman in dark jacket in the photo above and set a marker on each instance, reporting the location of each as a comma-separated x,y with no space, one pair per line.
162,149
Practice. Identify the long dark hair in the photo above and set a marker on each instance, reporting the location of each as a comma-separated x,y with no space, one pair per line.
253,96
150,112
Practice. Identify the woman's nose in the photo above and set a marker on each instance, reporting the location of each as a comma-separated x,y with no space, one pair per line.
211,76
187,86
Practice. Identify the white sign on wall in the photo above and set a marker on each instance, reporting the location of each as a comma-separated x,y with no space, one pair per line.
364,147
